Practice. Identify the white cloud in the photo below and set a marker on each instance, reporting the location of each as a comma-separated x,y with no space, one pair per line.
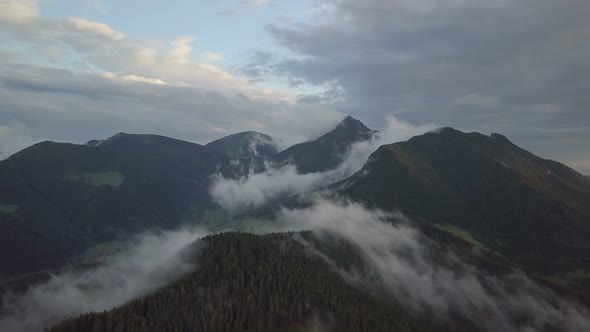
402,263
134,78
192,98
97,47
255,190
181,49
18,11
95,28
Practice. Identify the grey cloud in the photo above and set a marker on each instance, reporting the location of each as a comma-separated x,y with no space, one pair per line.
60,105
516,67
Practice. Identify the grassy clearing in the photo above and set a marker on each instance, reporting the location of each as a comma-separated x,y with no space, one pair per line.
8,208
214,216
105,248
218,220
460,233
112,179
570,278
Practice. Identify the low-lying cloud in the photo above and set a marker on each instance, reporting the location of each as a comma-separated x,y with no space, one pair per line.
151,262
396,257
256,189
402,261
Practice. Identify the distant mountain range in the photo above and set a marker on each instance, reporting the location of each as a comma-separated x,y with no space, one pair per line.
58,201
492,201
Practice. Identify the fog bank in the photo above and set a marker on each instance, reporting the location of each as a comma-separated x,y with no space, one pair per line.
152,261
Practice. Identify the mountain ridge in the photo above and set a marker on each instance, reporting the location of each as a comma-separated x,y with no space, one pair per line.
327,151
59,200
487,186
246,144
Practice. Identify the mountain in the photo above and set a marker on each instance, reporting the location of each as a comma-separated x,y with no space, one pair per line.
495,206
58,201
251,282
61,201
327,151
247,150
489,191
245,145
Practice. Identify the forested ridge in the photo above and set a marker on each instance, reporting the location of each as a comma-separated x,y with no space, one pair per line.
248,282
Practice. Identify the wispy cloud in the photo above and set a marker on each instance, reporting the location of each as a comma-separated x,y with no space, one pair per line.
402,263
152,261
256,189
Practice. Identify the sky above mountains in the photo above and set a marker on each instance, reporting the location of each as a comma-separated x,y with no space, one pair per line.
73,70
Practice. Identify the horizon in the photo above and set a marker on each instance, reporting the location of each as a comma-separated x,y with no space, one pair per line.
277,139
74,71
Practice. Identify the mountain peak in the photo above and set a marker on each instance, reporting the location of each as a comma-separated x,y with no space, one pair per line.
245,144
327,151
348,131
350,122
500,138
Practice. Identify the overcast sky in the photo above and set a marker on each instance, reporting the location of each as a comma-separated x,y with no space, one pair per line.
76,70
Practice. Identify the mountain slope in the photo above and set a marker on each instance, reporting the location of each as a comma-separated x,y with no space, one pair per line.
327,151
245,144
62,199
532,210
247,150
247,282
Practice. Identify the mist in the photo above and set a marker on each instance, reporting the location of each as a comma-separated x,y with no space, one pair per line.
256,189
401,261
152,261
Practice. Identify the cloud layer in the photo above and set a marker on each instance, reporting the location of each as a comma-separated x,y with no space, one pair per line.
404,263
